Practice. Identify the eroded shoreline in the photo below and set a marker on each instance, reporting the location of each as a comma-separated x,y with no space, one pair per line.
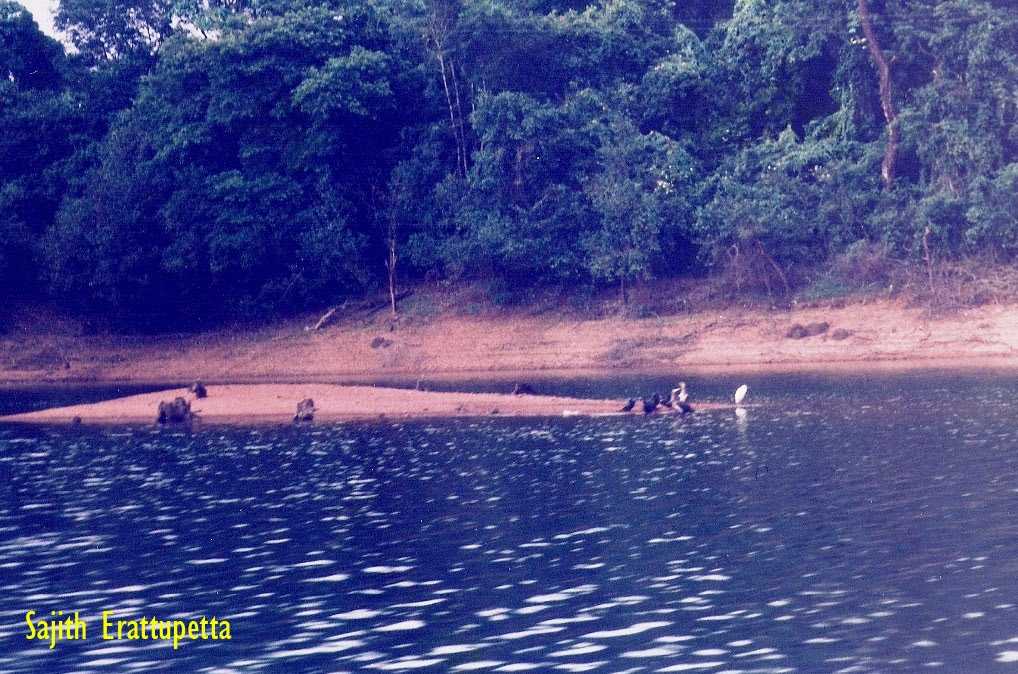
510,345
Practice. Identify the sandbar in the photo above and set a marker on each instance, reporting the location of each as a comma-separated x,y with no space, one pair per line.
276,403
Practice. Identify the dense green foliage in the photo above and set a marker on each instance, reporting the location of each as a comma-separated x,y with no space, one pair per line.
194,161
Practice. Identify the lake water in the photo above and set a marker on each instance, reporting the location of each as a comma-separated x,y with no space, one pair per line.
844,524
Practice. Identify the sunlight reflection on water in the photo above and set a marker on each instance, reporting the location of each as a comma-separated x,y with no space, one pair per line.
851,528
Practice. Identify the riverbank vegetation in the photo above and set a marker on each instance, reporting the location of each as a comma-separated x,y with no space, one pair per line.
187,163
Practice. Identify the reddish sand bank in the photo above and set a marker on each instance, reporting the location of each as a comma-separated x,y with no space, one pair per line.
274,403
428,341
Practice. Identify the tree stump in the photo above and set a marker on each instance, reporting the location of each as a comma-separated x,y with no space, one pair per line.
178,411
305,411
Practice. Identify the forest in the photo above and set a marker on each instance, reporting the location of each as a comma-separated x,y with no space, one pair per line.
189,162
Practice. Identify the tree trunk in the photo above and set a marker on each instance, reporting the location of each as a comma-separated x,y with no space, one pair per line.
461,162
459,109
521,153
886,98
776,267
391,266
928,258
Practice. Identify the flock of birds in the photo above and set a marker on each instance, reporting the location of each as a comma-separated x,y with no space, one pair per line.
677,401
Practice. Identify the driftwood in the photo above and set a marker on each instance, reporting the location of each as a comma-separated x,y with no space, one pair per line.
365,307
324,320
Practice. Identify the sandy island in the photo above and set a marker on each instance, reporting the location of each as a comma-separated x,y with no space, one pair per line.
276,403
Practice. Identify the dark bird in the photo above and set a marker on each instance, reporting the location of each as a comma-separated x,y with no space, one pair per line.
664,402
199,390
628,407
650,405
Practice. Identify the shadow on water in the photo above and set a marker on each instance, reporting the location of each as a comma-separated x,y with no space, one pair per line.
15,400
855,524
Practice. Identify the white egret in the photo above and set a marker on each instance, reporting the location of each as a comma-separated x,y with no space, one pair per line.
740,394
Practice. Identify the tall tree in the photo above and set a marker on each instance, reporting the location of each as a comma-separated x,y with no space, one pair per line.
40,120
104,30
883,66
438,28
247,163
29,60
